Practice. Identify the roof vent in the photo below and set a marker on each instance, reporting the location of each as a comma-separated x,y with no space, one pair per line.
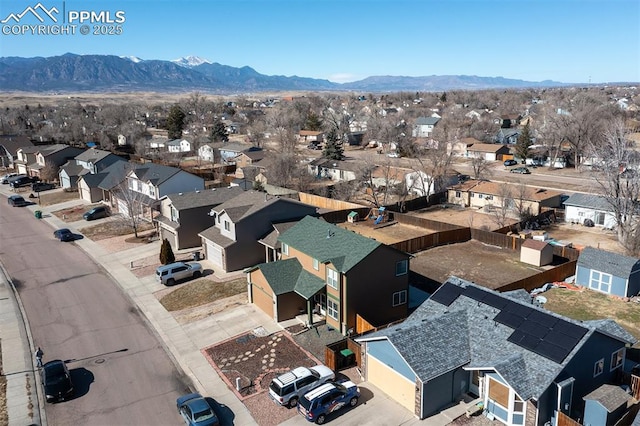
213,189
197,191
179,193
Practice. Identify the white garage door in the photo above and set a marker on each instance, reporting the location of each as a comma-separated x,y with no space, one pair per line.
399,388
214,254
122,208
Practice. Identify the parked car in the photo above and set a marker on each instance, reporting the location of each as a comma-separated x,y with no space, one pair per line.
42,186
195,411
509,163
64,234
169,274
287,388
22,181
316,405
521,170
5,178
56,381
314,146
16,201
96,213
393,155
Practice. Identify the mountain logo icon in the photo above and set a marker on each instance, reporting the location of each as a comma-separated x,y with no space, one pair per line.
38,11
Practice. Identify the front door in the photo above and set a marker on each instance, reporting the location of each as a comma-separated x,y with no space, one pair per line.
320,301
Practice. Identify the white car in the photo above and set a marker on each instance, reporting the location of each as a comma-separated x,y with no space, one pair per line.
169,274
287,388
393,155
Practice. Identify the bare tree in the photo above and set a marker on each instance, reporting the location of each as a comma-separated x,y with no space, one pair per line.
481,167
521,203
50,171
500,211
619,181
132,203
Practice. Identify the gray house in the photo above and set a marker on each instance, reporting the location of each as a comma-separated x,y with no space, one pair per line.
526,364
91,161
609,273
232,243
581,207
185,214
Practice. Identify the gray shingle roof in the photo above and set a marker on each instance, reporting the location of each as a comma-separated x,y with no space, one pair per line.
591,201
329,243
271,239
527,372
427,121
209,197
155,173
214,235
611,397
286,276
608,262
249,202
611,328
92,154
93,180
72,169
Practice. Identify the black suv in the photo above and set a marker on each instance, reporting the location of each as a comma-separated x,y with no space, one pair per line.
96,213
42,186
23,181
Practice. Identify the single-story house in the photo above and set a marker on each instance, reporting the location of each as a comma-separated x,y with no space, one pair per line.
581,207
526,364
179,145
608,272
488,151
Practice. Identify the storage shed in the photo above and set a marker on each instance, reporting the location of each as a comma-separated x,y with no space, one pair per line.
535,252
608,272
605,405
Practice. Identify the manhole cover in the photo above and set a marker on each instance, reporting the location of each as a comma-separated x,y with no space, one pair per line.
99,361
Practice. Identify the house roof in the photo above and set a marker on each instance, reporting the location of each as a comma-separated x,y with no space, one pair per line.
427,121
271,239
72,168
390,172
483,329
611,397
213,234
486,147
534,244
11,143
329,243
310,133
115,174
51,149
591,201
249,202
93,180
209,197
154,173
328,163
92,155
528,193
254,155
176,142
286,276
615,264
234,147
470,141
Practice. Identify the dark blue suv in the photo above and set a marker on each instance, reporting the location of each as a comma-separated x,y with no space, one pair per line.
317,404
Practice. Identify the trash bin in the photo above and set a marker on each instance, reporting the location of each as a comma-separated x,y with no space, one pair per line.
196,255
348,358
38,214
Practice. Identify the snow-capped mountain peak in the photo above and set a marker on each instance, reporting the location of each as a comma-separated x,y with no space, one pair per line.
190,61
134,59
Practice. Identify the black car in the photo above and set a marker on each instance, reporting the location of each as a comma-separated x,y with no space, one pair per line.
508,163
96,213
64,234
42,186
56,381
16,201
22,181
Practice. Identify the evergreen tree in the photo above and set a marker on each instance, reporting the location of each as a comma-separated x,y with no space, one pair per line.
219,132
523,143
333,148
443,98
166,253
175,122
313,122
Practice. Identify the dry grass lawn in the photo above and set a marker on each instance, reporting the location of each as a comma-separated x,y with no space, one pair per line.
201,292
73,214
117,227
590,305
56,197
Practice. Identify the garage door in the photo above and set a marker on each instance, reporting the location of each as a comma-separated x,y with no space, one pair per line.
122,208
169,235
214,255
85,193
397,387
263,300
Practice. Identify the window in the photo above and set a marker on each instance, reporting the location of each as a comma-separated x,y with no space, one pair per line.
600,281
598,368
400,298
332,278
458,194
480,196
316,264
285,248
174,215
332,309
227,225
488,197
401,267
616,359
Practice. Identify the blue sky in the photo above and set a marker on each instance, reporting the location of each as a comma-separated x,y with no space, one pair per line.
572,41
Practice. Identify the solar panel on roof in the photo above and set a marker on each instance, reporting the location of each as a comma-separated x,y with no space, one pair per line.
495,301
561,339
542,318
475,293
524,340
446,294
508,319
518,309
533,328
551,351
571,330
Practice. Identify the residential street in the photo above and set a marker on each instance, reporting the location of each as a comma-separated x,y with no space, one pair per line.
121,373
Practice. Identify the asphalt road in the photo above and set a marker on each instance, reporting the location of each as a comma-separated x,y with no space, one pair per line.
122,375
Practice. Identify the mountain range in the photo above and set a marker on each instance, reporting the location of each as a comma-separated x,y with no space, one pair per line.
105,73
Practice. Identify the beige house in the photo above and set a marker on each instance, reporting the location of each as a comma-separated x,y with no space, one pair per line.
536,252
519,197
488,151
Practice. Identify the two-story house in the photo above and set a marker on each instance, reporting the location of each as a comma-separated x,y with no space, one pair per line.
179,145
527,365
9,145
423,127
184,215
91,161
206,152
332,271
232,243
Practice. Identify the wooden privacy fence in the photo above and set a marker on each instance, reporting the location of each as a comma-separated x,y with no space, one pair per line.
340,216
436,239
423,222
327,203
564,420
559,273
342,354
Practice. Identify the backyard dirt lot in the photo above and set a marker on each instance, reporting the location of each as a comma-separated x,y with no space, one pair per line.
390,234
489,266
465,217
